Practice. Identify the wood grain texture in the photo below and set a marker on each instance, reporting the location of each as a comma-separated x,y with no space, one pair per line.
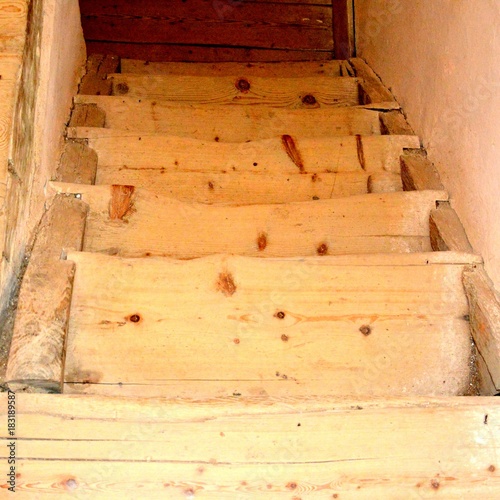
394,122
418,173
343,29
372,89
196,53
349,334
87,115
218,122
484,306
236,447
155,225
447,232
306,92
36,357
157,153
261,69
241,24
237,188
78,164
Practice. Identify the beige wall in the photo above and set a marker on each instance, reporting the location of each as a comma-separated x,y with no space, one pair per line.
52,64
441,60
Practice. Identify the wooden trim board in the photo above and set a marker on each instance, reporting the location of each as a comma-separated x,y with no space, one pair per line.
116,448
36,357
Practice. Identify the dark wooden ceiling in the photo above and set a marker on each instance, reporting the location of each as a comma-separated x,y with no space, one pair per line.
209,30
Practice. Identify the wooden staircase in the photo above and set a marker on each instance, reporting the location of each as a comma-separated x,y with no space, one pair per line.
266,249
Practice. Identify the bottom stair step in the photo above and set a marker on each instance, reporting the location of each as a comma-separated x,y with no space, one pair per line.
225,325
245,448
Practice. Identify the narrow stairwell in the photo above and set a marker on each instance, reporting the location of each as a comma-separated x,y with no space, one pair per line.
250,283
247,233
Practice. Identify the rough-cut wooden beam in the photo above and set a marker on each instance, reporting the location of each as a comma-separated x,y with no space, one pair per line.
343,29
484,313
239,448
446,230
384,182
78,164
36,358
87,115
372,91
394,123
95,80
418,173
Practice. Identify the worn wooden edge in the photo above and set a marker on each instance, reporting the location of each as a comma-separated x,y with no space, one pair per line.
36,356
484,306
78,163
446,230
371,89
418,173
87,115
95,82
384,182
393,122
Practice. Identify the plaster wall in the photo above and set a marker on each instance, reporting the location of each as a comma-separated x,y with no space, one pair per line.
441,60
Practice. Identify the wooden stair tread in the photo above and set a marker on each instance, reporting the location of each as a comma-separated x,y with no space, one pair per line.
278,327
224,448
225,123
258,69
285,155
135,222
304,92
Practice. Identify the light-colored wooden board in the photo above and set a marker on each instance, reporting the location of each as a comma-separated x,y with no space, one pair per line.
484,306
259,326
78,164
238,187
134,222
373,91
418,173
125,448
36,357
304,92
10,65
227,123
279,155
447,232
394,122
384,182
260,69
87,115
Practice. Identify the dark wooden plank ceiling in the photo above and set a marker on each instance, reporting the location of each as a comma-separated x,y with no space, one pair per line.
209,30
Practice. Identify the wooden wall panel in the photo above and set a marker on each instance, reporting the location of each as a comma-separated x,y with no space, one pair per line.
209,30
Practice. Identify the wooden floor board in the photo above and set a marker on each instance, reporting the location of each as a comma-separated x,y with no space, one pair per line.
113,448
218,123
135,222
234,325
304,92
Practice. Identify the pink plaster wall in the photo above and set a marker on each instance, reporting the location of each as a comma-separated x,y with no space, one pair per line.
441,58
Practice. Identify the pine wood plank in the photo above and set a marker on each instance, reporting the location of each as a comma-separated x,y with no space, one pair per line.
260,69
394,122
78,164
237,188
447,232
373,91
351,332
418,173
134,222
384,182
36,357
87,115
484,307
207,22
343,28
306,92
218,122
125,156
119,448
204,53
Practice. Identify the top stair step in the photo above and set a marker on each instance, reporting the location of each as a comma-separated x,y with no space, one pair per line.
257,69
305,92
